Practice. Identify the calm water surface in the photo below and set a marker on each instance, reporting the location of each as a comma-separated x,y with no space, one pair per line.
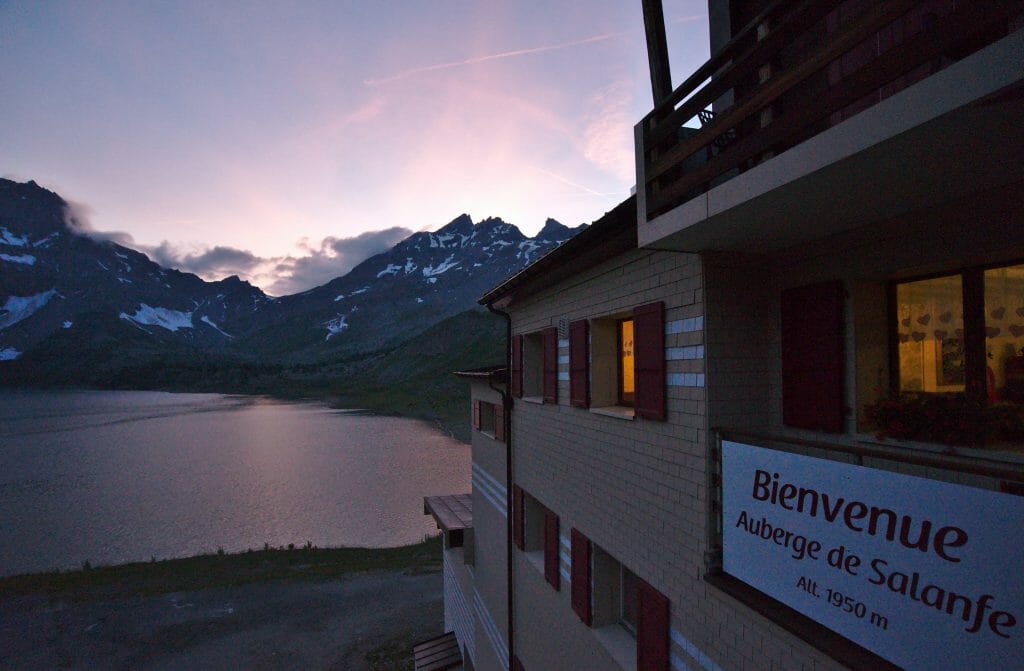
111,477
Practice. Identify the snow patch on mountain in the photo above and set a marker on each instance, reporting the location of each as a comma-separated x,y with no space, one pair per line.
409,265
392,269
360,291
18,308
447,264
67,324
9,354
45,242
526,249
209,322
335,326
24,259
8,238
338,297
172,320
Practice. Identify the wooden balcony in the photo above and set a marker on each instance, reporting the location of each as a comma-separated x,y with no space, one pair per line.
794,71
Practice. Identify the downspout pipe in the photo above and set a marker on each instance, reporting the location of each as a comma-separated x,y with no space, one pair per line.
506,402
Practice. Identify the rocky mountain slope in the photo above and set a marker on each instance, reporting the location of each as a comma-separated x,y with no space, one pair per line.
76,308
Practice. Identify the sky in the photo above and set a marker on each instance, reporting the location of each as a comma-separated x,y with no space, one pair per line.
286,141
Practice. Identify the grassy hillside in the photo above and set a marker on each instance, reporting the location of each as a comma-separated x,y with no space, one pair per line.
412,379
415,379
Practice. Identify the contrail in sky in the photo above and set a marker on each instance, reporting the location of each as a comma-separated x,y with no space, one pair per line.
587,189
490,57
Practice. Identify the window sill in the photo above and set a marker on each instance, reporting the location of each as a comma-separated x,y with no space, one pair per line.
619,644
536,400
489,434
616,411
536,558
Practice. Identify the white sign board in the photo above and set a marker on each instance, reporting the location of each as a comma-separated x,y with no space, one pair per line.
926,574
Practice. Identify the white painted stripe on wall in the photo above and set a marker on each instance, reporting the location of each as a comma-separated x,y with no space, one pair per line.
563,344
693,651
685,325
485,485
564,376
563,359
490,629
685,379
564,540
495,483
490,496
679,664
457,616
684,353
565,575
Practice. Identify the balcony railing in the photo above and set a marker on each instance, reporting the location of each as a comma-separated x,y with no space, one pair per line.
795,70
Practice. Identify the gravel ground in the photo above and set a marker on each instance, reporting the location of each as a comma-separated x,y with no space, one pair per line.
358,621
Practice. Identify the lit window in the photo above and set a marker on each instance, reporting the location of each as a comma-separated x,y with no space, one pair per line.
960,368
930,331
626,383
1004,333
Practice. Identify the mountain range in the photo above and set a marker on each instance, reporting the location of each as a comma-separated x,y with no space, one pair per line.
79,309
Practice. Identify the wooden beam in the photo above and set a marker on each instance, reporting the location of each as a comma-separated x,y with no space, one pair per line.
657,50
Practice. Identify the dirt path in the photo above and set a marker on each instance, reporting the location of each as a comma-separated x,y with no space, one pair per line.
352,622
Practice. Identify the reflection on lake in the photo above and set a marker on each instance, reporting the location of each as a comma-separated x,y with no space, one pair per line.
112,477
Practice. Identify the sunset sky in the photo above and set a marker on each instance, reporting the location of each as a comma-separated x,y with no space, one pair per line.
286,141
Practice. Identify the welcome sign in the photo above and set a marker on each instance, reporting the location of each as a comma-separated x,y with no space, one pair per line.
926,574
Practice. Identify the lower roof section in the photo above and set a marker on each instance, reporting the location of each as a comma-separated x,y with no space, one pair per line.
437,654
452,513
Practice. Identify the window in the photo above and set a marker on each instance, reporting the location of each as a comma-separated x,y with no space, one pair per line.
930,334
1004,332
489,419
537,527
630,616
624,354
627,363
614,595
962,331
957,352
535,365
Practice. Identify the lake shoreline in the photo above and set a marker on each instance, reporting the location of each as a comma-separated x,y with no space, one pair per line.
446,417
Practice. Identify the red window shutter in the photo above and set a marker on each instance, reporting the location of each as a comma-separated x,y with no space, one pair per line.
476,415
499,422
579,364
649,361
581,577
550,365
516,380
551,558
812,357
652,629
517,516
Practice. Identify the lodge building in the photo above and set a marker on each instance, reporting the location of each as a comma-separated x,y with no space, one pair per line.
818,287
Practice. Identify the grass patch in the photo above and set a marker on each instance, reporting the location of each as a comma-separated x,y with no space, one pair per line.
224,570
